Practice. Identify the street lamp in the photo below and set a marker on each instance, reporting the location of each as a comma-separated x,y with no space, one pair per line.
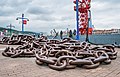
23,19
10,28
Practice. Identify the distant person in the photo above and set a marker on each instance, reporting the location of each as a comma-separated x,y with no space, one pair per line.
61,34
38,36
33,35
74,32
70,33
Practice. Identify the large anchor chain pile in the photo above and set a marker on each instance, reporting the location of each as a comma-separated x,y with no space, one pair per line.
17,40
27,46
63,54
70,55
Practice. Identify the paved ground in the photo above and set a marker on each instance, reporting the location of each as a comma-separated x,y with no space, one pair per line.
26,67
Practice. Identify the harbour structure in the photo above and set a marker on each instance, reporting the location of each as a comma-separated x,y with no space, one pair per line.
83,17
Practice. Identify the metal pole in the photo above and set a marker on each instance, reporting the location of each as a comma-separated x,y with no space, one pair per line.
22,18
22,23
77,19
87,29
10,28
87,37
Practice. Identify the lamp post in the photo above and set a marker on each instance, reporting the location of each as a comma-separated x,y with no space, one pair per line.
22,18
10,28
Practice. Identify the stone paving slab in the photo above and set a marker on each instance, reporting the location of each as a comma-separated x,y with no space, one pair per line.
26,67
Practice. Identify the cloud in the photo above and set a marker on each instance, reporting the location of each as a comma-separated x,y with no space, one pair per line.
6,11
17,3
104,14
45,15
12,7
36,10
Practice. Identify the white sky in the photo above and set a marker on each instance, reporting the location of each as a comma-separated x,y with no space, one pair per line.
45,15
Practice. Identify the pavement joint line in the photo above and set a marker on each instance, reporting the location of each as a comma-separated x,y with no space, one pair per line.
118,73
110,72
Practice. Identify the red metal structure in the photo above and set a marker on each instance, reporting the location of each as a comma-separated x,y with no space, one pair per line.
84,9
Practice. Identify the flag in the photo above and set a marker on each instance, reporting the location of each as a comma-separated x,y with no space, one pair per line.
24,21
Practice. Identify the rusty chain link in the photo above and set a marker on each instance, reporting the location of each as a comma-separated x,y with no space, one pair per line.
59,54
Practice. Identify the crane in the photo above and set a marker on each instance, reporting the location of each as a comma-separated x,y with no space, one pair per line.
84,14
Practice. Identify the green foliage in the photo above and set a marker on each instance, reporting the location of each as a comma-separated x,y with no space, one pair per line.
16,31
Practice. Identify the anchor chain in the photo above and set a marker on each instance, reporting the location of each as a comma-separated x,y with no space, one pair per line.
59,54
